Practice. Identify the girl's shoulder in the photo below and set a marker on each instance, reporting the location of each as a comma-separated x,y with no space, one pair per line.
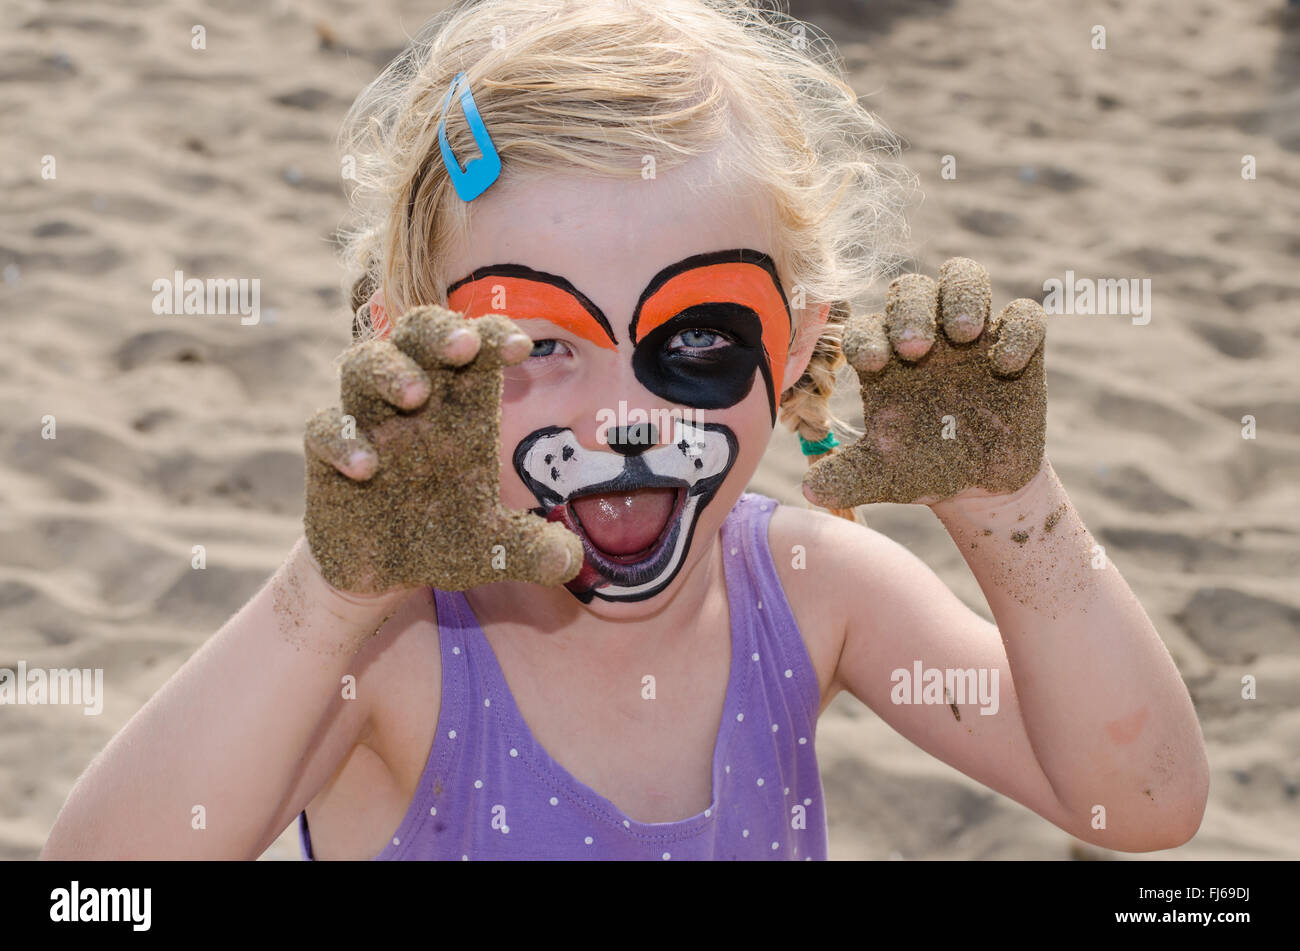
827,557
840,576
807,548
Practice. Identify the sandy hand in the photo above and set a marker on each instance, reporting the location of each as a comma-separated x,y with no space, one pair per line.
953,402
403,484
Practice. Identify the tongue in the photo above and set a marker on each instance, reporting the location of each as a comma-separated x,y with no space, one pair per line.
621,523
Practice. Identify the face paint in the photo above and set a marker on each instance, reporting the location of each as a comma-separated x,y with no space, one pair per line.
532,293
735,293
560,472
708,379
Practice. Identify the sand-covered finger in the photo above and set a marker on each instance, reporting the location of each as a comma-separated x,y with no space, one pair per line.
504,343
1020,329
537,551
434,337
332,438
965,298
911,315
378,369
865,343
842,480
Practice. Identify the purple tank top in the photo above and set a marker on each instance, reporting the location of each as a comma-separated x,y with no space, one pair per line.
490,791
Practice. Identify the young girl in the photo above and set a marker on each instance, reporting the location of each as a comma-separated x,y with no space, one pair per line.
607,245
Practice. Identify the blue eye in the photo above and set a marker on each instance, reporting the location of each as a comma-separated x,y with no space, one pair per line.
697,338
547,358
549,347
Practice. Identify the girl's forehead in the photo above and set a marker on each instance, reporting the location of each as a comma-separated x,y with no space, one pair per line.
608,237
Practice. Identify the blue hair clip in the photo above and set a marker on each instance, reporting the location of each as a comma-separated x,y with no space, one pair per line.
474,179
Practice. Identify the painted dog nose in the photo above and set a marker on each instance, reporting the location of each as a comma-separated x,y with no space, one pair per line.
633,440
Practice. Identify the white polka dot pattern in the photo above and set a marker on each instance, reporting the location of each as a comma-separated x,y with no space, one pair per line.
538,809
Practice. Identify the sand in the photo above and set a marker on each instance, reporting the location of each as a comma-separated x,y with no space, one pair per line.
430,515
955,397
176,432
945,423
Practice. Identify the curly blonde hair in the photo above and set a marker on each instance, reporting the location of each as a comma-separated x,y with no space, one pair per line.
598,85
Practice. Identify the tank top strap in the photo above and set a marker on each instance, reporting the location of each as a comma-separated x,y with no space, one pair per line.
755,593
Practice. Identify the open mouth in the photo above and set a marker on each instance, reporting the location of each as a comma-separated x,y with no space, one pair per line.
630,536
635,514
625,530
630,526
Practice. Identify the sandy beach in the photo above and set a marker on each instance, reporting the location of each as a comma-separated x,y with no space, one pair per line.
128,155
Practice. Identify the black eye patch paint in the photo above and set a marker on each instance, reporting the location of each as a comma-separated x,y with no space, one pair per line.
708,379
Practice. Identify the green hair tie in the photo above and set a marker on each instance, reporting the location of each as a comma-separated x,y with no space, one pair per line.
820,446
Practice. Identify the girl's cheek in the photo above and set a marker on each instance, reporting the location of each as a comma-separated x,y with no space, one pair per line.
514,427
527,405
751,421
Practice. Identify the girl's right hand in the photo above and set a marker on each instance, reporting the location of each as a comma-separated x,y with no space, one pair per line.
403,484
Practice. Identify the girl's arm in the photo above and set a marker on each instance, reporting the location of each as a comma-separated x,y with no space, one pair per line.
251,728
1079,711
206,769
1105,708
1088,722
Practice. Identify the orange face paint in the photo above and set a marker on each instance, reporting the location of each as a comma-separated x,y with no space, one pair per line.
526,294
747,283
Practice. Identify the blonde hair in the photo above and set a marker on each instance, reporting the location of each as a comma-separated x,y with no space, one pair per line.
597,85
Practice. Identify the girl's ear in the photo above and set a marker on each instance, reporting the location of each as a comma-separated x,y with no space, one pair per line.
805,340
379,314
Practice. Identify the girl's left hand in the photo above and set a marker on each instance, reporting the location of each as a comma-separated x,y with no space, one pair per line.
955,404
